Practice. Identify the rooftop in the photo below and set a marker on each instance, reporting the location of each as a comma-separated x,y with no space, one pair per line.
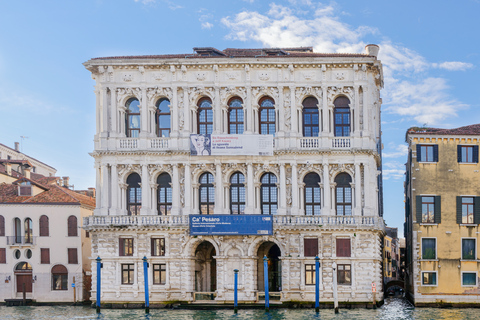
473,129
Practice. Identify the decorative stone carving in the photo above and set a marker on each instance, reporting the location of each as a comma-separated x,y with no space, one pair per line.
228,92
153,94
124,93
194,93
333,92
340,75
257,92
127,77
200,76
232,75
159,76
287,106
308,75
264,76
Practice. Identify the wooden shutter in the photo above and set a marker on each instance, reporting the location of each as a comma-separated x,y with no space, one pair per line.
435,153
419,153
476,210
121,246
72,256
45,255
459,210
343,248
310,247
459,153
475,154
437,218
2,226
72,226
418,206
152,247
3,255
44,228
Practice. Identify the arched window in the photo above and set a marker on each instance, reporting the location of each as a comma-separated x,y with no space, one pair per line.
268,193
310,117
235,116
2,226
72,226
164,194
28,230
342,117
206,194
205,116
267,116
18,230
134,194
237,193
132,118
162,119
343,195
312,194
43,223
59,277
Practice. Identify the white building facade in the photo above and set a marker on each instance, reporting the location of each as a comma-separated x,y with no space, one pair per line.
321,184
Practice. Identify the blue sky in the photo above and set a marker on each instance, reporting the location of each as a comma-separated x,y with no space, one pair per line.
430,51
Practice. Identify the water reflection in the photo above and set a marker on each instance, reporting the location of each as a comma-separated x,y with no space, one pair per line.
394,308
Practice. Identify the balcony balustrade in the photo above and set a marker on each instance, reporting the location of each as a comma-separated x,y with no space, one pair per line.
278,221
21,241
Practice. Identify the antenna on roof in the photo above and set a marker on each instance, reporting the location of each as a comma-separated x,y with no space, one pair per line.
21,146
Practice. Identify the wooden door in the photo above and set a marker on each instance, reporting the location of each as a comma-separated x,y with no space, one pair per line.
24,278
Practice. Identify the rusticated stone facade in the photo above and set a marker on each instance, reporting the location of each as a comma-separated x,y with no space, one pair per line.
324,175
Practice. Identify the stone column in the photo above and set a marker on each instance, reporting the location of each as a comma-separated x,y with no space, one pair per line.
325,122
257,209
144,116
174,112
358,190
218,189
122,132
145,210
283,191
115,199
123,199
188,191
333,202
98,190
186,113
366,113
105,193
98,117
327,206
368,189
104,108
175,190
195,206
281,112
250,190
295,206
356,108
114,111
217,111
293,112
248,111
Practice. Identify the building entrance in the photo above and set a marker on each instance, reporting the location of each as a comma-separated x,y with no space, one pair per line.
205,268
23,275
272,251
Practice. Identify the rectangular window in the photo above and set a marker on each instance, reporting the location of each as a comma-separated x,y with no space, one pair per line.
72,256
3,255
158,246
44,255
427,153
127,273
126,247
159,273
469,279
344,274
467,210
343,248
309,274
467,154
59,281
429,278
428,209
429,248
310,247
468,249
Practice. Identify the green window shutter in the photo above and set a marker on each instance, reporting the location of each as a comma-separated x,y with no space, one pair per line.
437,214
475,154
419,208
435,153
459,153
419,153
459,210
476,210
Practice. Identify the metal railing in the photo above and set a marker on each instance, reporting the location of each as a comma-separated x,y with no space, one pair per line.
21,241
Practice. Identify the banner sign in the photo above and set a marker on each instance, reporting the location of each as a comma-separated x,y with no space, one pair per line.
223,224
231,144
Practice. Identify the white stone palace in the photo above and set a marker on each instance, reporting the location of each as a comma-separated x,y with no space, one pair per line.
318,175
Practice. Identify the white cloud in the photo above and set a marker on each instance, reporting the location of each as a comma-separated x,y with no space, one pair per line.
400,150
453,65
146,1
207,25
393,170
409,92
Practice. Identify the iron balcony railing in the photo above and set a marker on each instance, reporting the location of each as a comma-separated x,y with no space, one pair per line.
23,241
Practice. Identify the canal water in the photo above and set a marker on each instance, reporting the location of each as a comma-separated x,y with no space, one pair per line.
394,308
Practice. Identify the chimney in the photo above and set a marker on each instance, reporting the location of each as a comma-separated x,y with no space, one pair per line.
27,173
91,192
65,181
372,50
8,168
17,146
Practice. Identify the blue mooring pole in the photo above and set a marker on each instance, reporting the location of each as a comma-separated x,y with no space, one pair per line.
265,275
235,291
99,281
317,284
145,278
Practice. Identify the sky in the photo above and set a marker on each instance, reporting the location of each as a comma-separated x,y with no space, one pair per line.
430,52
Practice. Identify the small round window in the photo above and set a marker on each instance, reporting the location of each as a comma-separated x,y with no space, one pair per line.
28,253
17,254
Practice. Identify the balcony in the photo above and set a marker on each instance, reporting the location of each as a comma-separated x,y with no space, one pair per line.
21,241
278,221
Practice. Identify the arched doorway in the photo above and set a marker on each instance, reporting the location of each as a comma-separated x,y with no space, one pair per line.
272,251
205,268
23,275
